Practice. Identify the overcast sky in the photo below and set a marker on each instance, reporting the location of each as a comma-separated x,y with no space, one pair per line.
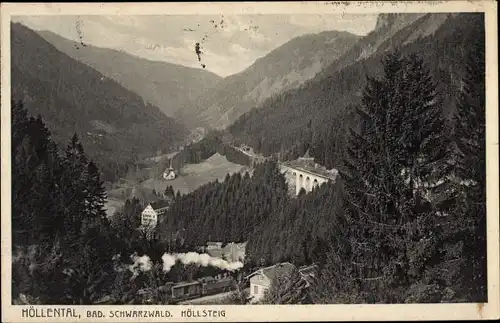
229,43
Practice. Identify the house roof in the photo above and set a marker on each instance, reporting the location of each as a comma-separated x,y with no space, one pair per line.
235,246
216,253
183,284
278,270
274,271
309,273
160,204
308,269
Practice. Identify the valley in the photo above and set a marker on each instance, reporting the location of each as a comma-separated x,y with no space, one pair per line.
117,127
336,168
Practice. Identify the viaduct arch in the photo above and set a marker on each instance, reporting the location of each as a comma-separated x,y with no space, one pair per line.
306,180
299,178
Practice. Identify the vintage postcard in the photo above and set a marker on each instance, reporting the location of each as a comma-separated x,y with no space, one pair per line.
240,161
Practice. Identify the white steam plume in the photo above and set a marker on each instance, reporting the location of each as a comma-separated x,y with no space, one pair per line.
142,263
203,259
168,261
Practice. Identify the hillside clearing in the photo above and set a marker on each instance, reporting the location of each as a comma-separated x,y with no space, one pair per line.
190,178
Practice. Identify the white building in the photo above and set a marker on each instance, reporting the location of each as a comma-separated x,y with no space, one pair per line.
149,216
169,173
214,245
234,251
261,280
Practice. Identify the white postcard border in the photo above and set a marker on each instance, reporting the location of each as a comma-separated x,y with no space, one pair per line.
251,313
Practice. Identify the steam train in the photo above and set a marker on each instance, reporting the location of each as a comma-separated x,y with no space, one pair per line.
202,287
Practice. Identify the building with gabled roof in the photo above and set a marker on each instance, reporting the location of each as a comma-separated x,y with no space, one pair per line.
261,280
169,173
234,251
214,245
149,216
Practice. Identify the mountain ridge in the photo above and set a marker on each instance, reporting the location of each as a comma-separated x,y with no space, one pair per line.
281,124
286,67
115,125
166,85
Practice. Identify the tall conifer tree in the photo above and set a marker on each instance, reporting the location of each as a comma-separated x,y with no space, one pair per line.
391,193
470,138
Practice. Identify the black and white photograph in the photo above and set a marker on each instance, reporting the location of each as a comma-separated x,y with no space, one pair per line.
241,158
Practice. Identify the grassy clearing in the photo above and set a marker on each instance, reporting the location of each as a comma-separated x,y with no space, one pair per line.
190,178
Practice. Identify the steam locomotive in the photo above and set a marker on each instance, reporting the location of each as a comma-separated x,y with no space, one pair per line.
202,287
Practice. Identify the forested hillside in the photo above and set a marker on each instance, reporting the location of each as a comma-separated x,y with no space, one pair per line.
64,249
321,111
406,220
165,85
286,67
213,142
115,125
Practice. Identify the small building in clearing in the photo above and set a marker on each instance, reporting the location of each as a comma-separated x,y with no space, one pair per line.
214,245
169,173
309,274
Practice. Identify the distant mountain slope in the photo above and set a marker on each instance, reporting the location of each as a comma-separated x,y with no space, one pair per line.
286,67
115,125
321,110
165,85
391,30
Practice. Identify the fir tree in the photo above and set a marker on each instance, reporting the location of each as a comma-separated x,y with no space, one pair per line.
169,192
96,195
469,230
393,165
74,189
59,224
240,296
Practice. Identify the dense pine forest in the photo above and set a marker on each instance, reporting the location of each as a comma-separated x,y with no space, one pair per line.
214,142
59,228
284,123
404,223
256,208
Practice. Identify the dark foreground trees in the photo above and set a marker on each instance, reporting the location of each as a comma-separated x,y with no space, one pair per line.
470,211
406,222
240,296
59,228
403,234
